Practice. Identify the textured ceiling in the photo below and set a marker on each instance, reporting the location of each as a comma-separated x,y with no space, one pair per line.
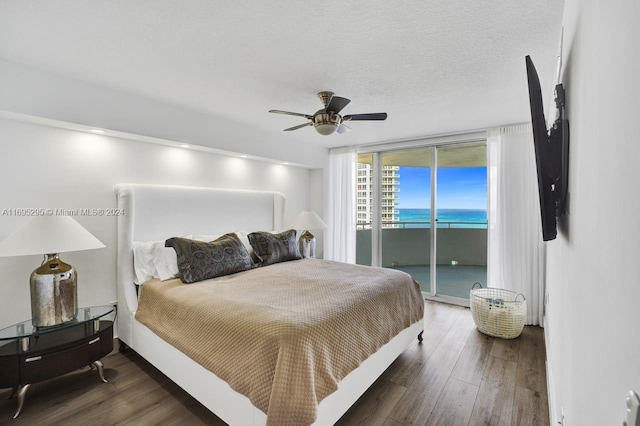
434,66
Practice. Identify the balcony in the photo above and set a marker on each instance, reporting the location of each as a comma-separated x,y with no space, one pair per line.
461,257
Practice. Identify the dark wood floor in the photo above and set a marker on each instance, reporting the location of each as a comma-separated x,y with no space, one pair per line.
457,376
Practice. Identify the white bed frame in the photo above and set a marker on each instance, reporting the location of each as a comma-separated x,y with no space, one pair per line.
158,212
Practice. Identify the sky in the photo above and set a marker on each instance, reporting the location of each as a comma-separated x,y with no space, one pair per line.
458,188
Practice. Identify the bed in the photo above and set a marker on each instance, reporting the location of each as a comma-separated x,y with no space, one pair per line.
158,212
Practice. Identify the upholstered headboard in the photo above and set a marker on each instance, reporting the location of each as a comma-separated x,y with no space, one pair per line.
158,212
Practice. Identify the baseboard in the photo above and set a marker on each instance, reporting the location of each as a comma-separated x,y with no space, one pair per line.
551,394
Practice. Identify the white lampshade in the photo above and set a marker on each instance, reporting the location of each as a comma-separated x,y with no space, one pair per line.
48,235
308,220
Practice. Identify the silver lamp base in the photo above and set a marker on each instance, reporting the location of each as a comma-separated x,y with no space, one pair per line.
307,244
54,295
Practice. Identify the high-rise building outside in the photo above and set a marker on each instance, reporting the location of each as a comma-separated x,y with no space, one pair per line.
390,190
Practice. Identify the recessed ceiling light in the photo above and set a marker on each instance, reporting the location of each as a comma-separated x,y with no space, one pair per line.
185,145
243,156
286,164
97,130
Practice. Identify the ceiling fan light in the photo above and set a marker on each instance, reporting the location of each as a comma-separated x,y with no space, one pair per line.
326,128
326,123
328,120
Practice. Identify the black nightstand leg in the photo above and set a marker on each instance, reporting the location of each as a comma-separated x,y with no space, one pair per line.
98,364
21,393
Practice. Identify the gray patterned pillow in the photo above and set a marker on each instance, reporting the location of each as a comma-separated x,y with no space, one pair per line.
198,260
274,248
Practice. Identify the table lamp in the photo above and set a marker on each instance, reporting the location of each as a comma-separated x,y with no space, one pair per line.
54,295
308,220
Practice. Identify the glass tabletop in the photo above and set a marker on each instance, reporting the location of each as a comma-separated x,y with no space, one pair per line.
26,328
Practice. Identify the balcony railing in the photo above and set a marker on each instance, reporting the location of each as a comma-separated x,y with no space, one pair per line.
403,225
407,243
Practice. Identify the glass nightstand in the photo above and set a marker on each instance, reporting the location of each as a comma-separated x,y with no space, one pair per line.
25,329
31,354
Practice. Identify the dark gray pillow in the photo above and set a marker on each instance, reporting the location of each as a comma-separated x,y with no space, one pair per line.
274,248
198,260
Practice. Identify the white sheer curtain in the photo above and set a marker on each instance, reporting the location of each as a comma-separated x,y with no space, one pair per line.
340,240
516,252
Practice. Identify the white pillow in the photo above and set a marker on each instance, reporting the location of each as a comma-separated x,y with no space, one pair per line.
244,237
143,264
151,259
165,261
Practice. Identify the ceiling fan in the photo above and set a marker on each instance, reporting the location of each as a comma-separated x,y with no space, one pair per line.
328,120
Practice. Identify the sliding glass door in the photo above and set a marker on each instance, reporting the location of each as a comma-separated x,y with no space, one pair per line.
406,207
397,193
461,211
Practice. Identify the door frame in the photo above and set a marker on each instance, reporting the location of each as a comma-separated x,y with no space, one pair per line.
376,219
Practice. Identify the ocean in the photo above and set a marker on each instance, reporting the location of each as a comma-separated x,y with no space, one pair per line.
453,218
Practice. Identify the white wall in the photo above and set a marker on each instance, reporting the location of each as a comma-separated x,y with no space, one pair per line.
38,93
593,268
58,168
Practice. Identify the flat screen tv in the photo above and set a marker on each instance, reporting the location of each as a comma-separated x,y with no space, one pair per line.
552,153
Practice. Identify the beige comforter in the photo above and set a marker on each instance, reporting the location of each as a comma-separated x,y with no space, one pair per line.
284,335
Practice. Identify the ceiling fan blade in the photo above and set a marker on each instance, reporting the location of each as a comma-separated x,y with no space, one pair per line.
277,111
373,116
337,104
343,129
298,127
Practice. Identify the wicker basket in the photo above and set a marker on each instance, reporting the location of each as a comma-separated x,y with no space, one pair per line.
498,312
